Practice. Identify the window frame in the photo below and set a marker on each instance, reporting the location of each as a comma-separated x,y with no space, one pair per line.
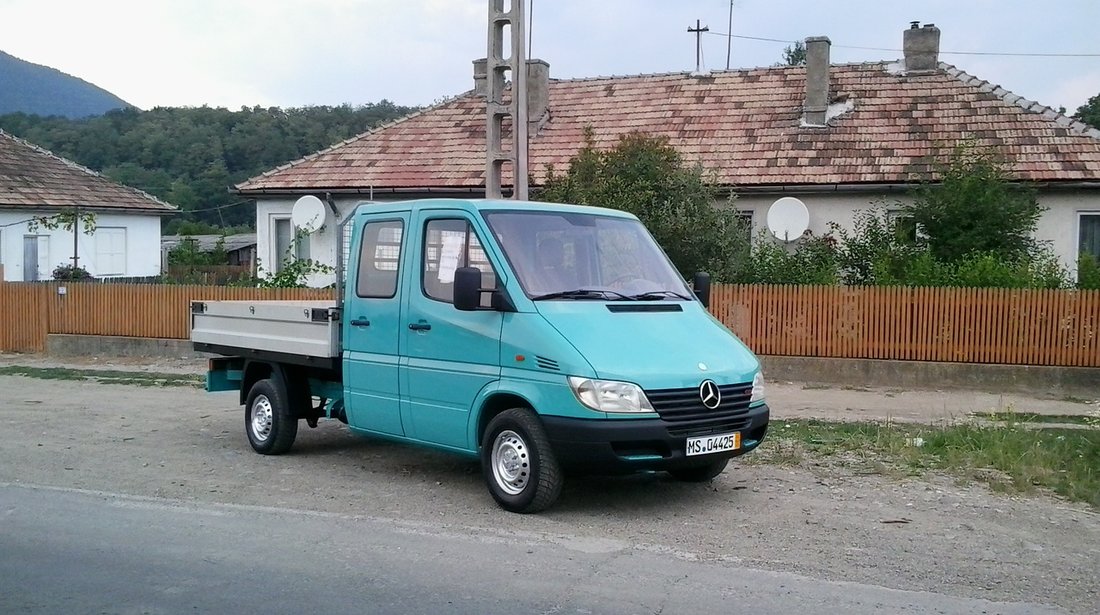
293,248
1078,248
400,257
101,261
424,244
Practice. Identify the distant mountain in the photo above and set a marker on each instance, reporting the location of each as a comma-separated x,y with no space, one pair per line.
41,90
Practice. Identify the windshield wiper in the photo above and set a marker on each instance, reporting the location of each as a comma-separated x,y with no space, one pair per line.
656,294
585,293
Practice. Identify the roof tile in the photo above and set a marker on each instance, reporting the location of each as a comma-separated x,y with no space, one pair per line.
34,178
745,125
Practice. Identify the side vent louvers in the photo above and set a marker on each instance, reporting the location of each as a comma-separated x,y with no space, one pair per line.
545,363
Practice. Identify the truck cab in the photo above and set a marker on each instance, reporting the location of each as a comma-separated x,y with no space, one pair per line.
544,339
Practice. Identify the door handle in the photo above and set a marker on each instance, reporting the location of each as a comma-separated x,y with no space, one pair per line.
359,322
420,326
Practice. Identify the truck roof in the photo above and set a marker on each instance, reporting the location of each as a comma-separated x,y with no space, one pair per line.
476,205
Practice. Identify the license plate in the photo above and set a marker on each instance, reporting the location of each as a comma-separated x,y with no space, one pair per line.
713,444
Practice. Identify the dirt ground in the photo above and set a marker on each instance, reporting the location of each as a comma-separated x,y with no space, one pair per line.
819,519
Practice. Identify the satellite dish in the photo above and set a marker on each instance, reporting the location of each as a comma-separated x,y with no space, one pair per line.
788,218
308,214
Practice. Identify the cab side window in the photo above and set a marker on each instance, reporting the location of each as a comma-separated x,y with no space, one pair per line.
379,259
448,245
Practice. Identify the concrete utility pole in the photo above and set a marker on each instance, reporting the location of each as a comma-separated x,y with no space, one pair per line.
729,37
495,67
698,31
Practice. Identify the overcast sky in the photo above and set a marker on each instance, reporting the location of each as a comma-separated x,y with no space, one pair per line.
233,53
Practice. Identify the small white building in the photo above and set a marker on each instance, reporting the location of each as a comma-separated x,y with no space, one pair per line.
839,137
35,183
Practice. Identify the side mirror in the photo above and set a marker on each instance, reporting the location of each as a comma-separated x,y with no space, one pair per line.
467,289
701,285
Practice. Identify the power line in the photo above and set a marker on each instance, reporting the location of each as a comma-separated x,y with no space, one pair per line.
960,53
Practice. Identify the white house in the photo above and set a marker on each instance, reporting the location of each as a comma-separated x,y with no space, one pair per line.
35,183
839,137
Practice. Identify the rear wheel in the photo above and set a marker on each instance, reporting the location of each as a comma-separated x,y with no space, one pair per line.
270,426
700,473
518,464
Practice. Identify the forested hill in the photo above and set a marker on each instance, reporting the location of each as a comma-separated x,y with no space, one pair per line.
190,157
31,88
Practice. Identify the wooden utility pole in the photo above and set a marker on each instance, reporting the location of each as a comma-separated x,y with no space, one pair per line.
698,31
76,237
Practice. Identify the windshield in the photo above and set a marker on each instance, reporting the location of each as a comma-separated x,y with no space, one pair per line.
559,255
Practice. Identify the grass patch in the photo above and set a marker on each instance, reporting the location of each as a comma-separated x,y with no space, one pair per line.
1011,459
1029,417
103,376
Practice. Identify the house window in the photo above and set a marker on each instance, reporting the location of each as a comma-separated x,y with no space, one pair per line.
903,225
1089,234
379,258
448,245
287,245
744,219
110,251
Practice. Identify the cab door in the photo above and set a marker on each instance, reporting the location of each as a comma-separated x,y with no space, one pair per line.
373,326
451,355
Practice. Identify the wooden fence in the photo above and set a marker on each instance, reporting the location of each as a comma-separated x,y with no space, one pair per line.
1022,327
29,311
983,325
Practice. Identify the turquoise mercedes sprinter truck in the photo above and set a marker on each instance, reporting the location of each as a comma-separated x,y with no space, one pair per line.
543,339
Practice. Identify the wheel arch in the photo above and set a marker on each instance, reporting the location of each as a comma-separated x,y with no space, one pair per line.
494,404
294,380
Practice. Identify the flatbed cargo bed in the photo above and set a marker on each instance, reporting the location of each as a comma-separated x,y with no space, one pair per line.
305,332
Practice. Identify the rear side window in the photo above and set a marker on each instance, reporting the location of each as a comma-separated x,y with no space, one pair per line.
448,245
379,259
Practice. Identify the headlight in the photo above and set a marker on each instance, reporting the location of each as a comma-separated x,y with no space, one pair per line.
609,396
757,388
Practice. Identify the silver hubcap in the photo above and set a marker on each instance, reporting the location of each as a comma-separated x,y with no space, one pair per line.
511,462
262,418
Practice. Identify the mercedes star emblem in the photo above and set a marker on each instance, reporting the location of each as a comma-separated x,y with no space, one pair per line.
709,393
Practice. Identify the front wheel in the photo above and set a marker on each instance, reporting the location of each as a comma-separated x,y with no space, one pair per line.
518,464
268,422
700,473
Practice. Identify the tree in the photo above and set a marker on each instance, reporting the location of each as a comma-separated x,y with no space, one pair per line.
1089,112
971,206
645,176
794,55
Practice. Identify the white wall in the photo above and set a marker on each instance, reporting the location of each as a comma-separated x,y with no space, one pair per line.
1058,225
322,243
142,245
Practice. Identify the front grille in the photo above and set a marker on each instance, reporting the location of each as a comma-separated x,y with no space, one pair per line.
684,409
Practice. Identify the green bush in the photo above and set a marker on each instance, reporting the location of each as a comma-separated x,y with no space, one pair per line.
1088,272
70,273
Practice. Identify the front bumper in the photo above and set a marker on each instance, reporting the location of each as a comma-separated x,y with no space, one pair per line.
620,446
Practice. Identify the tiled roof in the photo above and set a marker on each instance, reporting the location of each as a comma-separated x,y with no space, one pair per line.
33,178
745,125
209,242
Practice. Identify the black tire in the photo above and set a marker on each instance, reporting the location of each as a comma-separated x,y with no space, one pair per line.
518,464
700,473
270,426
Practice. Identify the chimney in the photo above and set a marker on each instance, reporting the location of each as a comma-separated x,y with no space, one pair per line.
481,77
817,80
538,90
922,48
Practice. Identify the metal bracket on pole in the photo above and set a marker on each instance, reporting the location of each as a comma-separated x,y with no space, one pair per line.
495,67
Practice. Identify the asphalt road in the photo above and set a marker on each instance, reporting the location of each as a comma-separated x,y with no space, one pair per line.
77,551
